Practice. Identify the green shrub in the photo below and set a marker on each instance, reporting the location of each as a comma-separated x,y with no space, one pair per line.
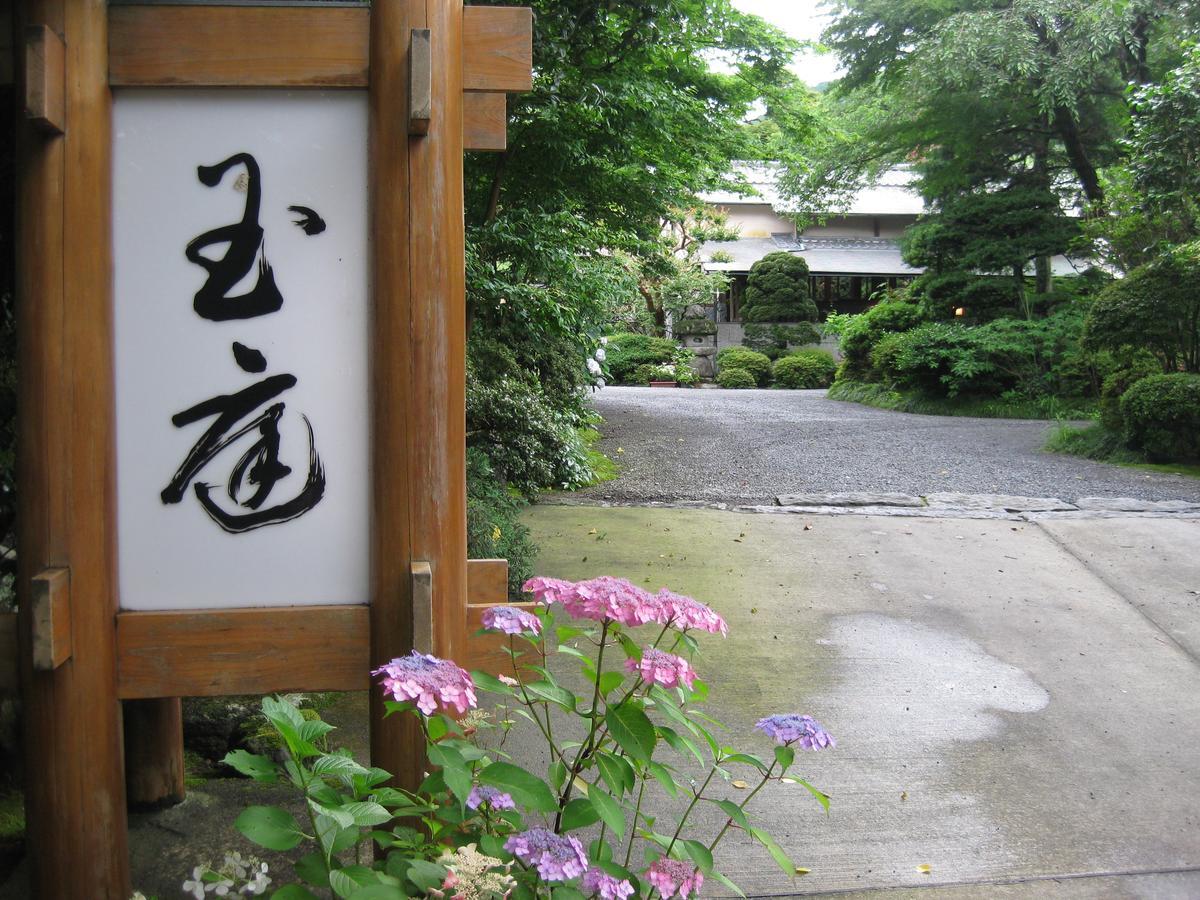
757,364
494,528
859,334
643,374
1162,417
772,340
735,378
777,290
1156,306
805,369
1139,365
626,352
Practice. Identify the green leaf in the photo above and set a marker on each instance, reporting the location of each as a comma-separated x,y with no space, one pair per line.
426,875
785,756
734,812
729,884
314,729
490,683
781,858
343,818
293,892
379,892
346,882
680,743
579,813
336,764
610,681
455,770
600,852
367,814
552,693
436,728
257,767
699,853
269,827
311,868
663,776
821,796
632,731
616,771
566,893
558,774
528,790
609,810
746,758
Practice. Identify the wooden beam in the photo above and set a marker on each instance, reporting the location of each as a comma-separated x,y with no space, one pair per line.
487,582
485,121
75,807
212,653
497,47
51,620
231,46
8,653
45,78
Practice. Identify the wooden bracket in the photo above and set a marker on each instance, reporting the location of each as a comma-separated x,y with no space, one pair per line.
422,606
420,81
45,79
51,620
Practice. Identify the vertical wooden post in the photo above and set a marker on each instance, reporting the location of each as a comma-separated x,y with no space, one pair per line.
419,346
153,752
75,793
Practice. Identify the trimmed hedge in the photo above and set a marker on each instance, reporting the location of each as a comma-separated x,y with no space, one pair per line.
1162,417
805,369
626,352
757,364
733,377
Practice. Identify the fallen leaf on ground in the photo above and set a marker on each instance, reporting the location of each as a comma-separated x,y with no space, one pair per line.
800,870
739,784
925,868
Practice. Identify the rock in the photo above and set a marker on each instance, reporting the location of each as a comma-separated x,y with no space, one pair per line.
1128,504
851,498
999,502
704,365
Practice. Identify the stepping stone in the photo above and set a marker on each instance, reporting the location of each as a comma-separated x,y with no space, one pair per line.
998,502
1128,504
851,498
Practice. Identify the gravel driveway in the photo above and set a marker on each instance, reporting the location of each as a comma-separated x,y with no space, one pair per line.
750,446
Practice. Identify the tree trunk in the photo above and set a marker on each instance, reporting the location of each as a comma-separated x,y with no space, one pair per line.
493,204
1045,276
1018,271
1068,129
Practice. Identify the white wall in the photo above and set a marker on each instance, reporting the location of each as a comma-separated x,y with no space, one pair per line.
756,220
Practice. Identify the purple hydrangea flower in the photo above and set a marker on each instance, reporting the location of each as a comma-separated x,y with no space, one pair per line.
659,667
493,797
685,613
792,728
598,599
608,887
557,857
673,876
430,681
510,620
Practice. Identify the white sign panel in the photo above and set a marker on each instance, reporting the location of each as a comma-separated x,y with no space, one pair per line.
240,247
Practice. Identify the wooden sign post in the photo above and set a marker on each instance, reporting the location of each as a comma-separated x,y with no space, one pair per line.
123,296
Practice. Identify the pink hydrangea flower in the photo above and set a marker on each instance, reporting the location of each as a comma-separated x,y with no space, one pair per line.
557,857
685,613
549,590
510,620
673,876
429,681
608,887
791,728
659,667
612,598
493,797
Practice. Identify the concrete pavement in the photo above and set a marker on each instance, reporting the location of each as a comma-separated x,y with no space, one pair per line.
1017,704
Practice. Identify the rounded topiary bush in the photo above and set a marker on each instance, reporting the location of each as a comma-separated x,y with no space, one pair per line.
807,369
757,364
735,378
777,290
1162,416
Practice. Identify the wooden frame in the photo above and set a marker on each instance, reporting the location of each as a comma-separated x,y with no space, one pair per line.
91,656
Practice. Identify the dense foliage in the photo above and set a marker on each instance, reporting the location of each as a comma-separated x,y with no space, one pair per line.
629,356
777,290
804,369
1162,416
494,528
732,377
757,364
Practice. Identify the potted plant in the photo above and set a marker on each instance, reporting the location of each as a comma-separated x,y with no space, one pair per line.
663,376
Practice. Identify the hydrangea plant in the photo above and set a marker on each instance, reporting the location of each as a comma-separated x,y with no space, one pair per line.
482,826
